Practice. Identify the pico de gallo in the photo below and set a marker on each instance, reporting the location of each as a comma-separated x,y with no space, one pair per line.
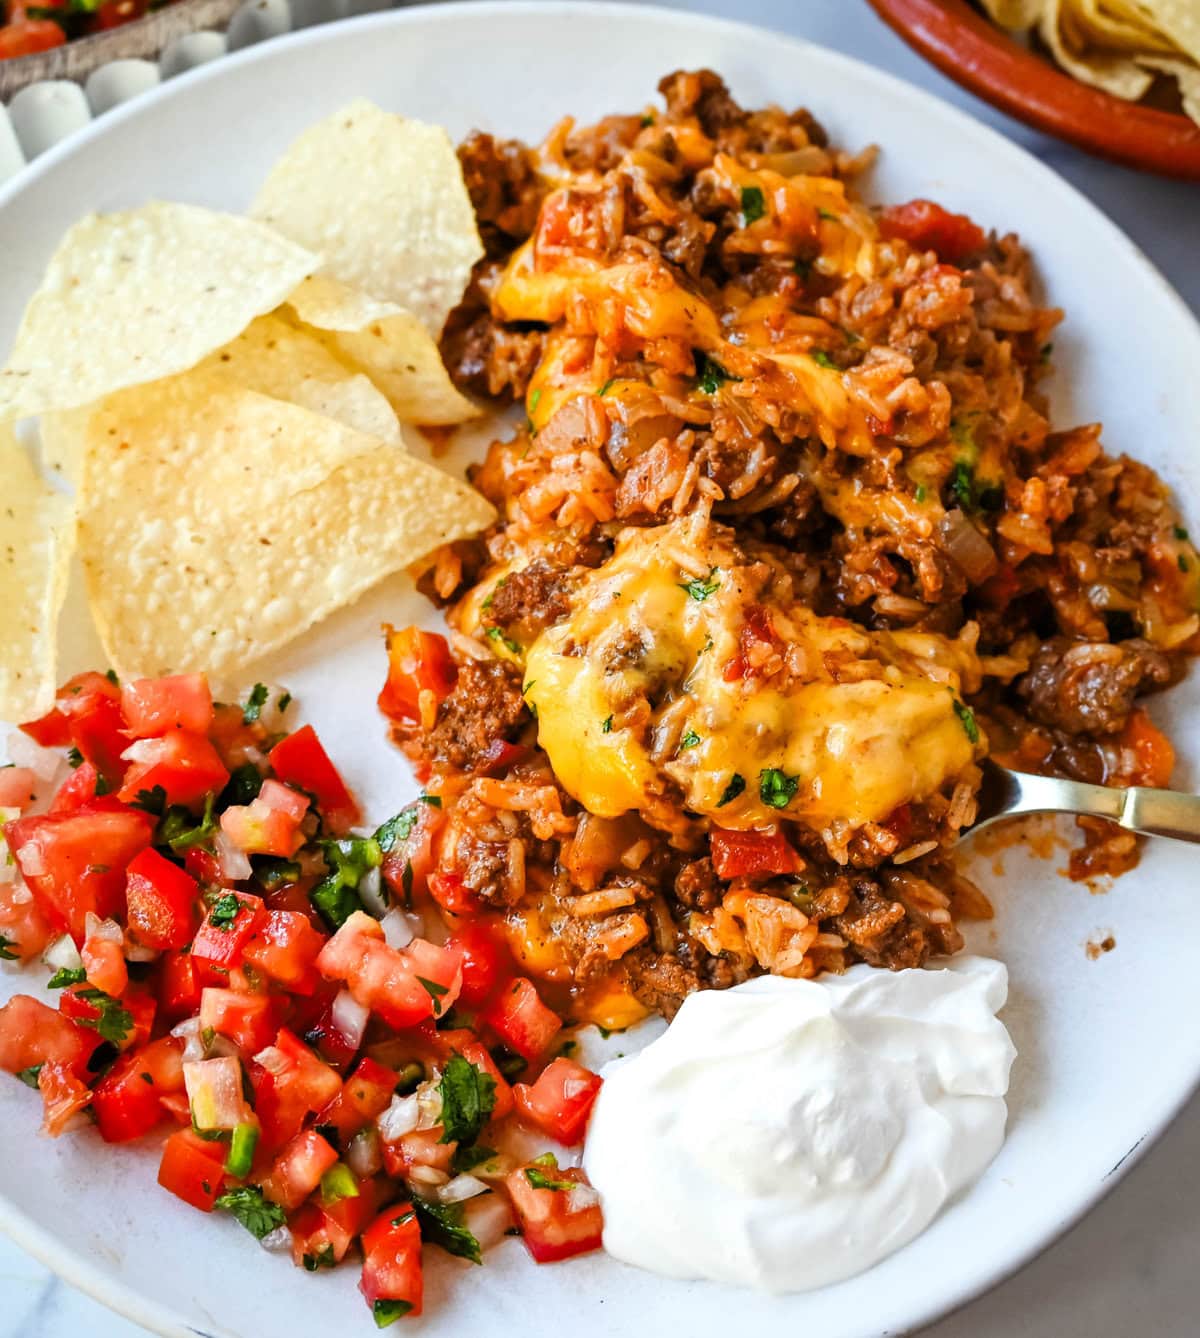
245,973
29,28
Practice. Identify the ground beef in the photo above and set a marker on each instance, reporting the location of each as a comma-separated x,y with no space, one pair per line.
878,930
504,186
697,886
661,981
701,94
530,600
485,705
1084,687
487,358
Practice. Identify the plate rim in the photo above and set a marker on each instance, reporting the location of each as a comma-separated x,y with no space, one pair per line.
74,1267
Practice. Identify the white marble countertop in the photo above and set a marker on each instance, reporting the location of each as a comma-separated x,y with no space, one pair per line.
1130,1266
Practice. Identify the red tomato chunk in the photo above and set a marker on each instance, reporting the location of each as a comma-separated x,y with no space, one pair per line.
561,1100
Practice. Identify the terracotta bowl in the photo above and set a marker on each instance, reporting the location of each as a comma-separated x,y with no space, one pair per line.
143,39
980,56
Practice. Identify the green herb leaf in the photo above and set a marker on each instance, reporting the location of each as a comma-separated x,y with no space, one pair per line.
777,789
442,1224
497,634
433,800
606,726
689,740
920,493
735,787
243,787
114,1022
540,1180
827,216
435,992
74,756
258,1215
66,975
821,358
468,1098
388,1312
962,484
151,801
272,873
1180,533
754,205
224,911
710,375
1182,563
29,1076
700,590
323,1258
349,860
467,1158
254,704
179,830
6,948
967,719
607,386
397,829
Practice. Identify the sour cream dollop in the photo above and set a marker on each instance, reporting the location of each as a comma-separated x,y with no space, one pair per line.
787,1134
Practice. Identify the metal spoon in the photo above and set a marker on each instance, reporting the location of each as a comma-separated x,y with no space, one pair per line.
1005,794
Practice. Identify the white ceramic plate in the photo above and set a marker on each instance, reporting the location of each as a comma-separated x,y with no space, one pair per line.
1104,1062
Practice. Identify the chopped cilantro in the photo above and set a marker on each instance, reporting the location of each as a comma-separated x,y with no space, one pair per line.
646,120
259,1216
754,205
1182,563
1181,533
467,1158
404,1217
777,789
710,375
66,975
348,859
689,740
962,484
921,493
102,787
497,634
224,911
179,830
821,358
406,882
540,1180
607,386
534,400
606,726
967,719
442,1223
273,873
433,800
410,1077
825,214
284,702
29,1076
1045,352
735,787
74,757
468,1098
700,590
111,675
151,801
6,948
254,704
113,1021
388,1312
322,1259
509,1064
397,829
243,787
435,992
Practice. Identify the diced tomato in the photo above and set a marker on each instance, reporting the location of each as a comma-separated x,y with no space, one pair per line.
738,854
178,986
402,986
153,706
556,1223
928,227
63,1097
160,899
91,704
140,1006
193,1169
323,1033
250,1021
257,829
203,865
116,13
186,767
900,823
286,946
301,761
318,1228
32,1034
128,1099
520,1019
756,641
484,959
1152,750
298,1169
75,862
499,755
561,1100
78,789
28,37
392,1259
17,787
51,730
221,941
422,1147
290,1082
24,926
452,894
418,662
407,865
104,962
999,590
366,1093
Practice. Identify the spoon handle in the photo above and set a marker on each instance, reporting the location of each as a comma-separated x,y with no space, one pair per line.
1140,809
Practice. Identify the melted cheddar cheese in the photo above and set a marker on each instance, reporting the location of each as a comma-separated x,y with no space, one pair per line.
634,694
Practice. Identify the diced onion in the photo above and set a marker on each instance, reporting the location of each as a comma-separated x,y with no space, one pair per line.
370,890
400,1118
398,928
350,1018
428,1175
143,750
961,541
214,1089
188,1032
8,867
277,1241
235,866
364,1156
107,931
138,952
24,752
487,1217
461,1188
62,955
273,1060
581,1197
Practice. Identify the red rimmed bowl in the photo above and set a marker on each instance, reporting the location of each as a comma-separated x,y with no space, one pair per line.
980,56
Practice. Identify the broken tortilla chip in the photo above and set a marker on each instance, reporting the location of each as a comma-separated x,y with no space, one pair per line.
37,537
133,297
386,342
383,200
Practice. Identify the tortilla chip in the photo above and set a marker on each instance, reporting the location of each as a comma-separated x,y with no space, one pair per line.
133,297
272,357
1112,24
383,199
63,440
386,342
1177,19
1114,73
37,537
1016,15
261,543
